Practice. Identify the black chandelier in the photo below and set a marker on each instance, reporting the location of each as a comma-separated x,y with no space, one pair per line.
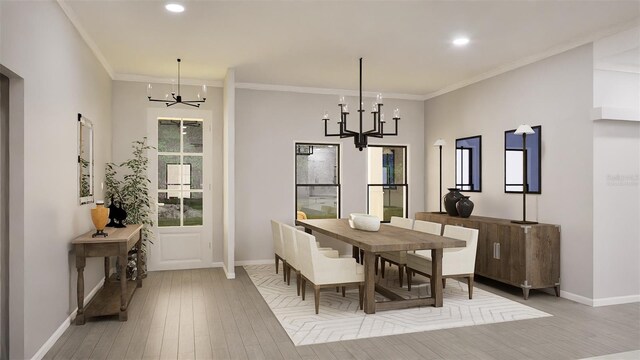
175,96
360,138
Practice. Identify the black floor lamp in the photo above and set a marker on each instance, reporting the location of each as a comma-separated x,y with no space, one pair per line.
524,130
440,143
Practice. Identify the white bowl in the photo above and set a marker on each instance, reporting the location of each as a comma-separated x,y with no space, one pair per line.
364,222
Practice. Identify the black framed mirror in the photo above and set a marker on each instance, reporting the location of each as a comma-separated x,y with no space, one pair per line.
85,160
469,163
513,159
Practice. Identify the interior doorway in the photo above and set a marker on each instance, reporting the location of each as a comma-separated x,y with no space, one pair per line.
4,217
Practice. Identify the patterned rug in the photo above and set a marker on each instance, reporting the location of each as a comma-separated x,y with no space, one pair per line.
341,319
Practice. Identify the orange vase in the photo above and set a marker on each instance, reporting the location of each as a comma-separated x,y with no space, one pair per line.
100,218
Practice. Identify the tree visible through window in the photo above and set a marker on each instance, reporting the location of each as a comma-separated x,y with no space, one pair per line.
318,180
180,171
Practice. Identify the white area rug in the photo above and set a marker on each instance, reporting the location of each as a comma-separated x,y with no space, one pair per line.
341,319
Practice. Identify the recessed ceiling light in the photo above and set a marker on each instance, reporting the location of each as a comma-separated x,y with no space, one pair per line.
176,8
461,41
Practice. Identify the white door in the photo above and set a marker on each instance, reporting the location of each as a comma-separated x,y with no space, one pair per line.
180,174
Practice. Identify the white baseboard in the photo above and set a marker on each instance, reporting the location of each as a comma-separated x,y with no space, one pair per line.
65,325
230,275
600,302
617,300
577,298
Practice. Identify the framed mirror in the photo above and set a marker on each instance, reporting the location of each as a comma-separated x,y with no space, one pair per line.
469,163
85,160
513,161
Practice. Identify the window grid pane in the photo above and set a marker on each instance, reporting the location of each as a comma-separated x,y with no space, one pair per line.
180,172
318,180
387,175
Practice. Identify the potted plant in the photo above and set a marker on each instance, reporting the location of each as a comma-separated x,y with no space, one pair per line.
131,190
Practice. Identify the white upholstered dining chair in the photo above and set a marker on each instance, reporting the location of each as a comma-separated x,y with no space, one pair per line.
396,257
456,262
427,227
278,246
291,253
322,271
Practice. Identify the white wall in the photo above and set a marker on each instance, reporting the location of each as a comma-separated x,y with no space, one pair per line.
616,211
556,93
616,169
130,107
61,78
268,123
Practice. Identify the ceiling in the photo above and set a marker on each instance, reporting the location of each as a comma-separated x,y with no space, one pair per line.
406,45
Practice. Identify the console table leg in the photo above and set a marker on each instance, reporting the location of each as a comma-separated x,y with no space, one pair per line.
107,266
123,282
80,264
557,290
139,262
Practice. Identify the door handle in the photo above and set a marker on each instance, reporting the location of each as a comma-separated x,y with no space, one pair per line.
496,251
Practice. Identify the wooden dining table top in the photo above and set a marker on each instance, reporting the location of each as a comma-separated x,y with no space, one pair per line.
388,238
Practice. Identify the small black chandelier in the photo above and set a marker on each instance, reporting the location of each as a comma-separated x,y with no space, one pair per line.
360,138
175,96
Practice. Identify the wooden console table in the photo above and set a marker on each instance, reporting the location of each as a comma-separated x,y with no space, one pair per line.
527,256
108,300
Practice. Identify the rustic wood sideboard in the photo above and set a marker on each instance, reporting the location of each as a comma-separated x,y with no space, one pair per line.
527,256
114,297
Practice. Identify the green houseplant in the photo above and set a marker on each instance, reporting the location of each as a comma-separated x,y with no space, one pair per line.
131,189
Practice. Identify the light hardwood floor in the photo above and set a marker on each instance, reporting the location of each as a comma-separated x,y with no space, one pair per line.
198,314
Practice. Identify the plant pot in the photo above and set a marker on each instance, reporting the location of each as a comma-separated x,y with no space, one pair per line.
464,207
100,217
450,200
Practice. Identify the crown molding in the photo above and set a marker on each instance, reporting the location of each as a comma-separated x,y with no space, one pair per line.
342,92
160,80
535,58
71,15
324,91
634,69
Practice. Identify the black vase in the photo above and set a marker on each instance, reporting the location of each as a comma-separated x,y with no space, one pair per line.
450,200
464,207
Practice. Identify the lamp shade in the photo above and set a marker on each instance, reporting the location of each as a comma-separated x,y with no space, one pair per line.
524,129
440,142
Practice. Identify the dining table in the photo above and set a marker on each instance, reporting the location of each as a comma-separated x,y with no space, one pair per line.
387,238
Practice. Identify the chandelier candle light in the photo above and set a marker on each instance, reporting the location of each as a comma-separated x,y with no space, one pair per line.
360,137
176,98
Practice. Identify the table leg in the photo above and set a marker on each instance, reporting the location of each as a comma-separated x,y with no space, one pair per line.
107,266
123,281
355,252
369,283
80,264
436,277
139,261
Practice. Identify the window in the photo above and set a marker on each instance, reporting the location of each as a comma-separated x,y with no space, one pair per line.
469,163
513,161
387,189
318,180
180,171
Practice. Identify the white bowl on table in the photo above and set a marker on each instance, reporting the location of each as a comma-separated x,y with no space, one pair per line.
364,222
